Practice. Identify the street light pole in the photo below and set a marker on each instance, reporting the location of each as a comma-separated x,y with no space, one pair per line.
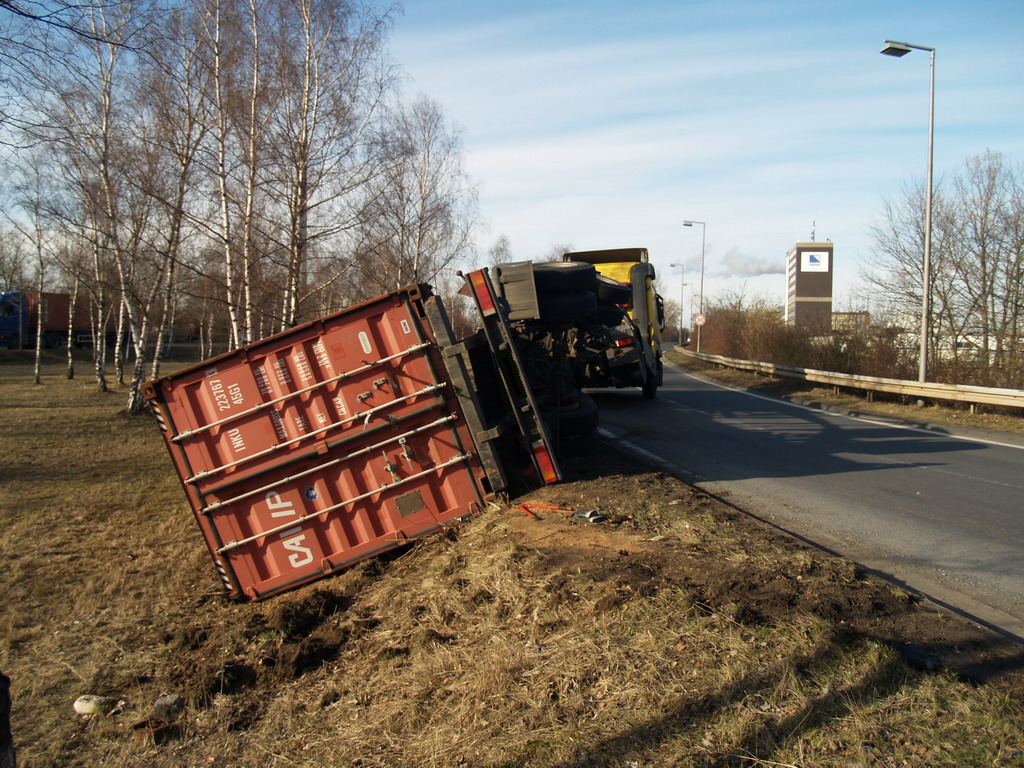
700,304
691,307
897,49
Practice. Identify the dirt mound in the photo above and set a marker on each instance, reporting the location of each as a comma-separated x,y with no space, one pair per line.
727,561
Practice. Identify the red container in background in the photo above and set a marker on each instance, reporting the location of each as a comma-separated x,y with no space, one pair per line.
305,452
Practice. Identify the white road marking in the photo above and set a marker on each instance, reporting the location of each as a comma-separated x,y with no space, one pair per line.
906,427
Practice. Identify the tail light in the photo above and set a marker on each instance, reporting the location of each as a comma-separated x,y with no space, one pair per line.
544,463
483,294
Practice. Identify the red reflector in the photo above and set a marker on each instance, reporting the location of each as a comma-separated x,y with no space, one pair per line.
624,342
547,467
483,295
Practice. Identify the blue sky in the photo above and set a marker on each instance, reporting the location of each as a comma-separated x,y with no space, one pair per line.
607,124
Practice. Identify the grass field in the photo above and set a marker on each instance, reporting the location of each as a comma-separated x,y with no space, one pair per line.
680,633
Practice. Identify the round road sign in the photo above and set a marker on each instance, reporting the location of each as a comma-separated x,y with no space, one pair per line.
699,319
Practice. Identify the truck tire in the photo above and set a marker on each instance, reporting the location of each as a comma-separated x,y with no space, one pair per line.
573,427
567,308
608,315
650,387
557,277
577,420
613,291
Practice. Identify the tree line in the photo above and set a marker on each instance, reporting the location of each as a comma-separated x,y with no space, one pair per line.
976,330
222,168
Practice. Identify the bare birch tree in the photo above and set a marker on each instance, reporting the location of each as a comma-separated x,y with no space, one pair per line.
173,87
219,53
420,213
332,77
31,201
35,35
252,129
96,137
13,274
976,271
500,252
250,136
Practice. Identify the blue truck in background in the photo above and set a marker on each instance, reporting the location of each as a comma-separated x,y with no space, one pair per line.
20,313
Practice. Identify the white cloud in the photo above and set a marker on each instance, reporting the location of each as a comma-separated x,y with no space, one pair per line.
734,263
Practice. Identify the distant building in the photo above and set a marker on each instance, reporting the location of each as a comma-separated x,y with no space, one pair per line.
851,322
809,283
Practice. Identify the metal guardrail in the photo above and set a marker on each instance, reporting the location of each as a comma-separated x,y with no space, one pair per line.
924,390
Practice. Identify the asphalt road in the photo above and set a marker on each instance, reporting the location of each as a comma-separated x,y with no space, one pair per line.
941,513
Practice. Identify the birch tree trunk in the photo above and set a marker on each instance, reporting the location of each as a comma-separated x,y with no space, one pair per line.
72,307
332,79
37,371
213,19
255,126
99,336
176,88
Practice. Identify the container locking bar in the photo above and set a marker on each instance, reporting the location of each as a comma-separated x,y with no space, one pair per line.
400,439
363,416
189,433
384,487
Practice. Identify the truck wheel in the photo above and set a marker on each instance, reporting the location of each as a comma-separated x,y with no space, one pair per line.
52,340
580,419
13,341
557,277
650,387
568,308
608,315
613,291
572,427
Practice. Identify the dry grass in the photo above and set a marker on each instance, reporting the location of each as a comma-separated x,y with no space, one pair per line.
478,648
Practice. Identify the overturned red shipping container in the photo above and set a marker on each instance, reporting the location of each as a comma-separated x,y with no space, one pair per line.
305,452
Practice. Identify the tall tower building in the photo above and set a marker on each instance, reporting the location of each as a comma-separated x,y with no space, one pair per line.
809,281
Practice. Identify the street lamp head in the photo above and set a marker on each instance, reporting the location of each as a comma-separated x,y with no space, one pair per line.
687,223
897,49
893,48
